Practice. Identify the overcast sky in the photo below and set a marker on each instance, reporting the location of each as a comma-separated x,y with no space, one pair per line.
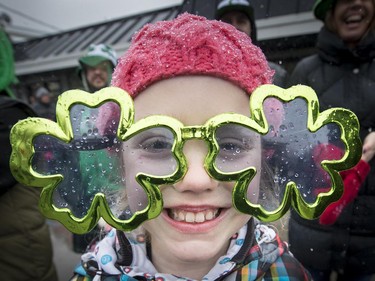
53,16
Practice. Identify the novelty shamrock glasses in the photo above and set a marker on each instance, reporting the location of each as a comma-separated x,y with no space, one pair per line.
97,162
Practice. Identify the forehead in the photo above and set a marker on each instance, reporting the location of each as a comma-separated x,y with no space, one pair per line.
103,65
191,99
234,15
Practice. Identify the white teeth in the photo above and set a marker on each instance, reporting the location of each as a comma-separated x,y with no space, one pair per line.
209,215
354,18
193,217
180,217
189,217
199,217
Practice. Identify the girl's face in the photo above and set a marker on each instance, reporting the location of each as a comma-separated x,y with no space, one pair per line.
352,19
198,219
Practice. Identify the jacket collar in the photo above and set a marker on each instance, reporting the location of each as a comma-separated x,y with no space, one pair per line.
254,246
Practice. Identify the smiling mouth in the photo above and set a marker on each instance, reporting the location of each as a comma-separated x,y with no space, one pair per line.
193,217
353,19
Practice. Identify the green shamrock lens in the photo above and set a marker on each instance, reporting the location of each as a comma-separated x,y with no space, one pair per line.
288,154
96,161
148,152
293,154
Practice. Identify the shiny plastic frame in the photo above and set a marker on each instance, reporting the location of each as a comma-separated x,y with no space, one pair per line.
25,131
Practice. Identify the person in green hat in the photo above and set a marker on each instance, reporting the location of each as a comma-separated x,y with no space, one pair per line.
95,70
96,67
342,241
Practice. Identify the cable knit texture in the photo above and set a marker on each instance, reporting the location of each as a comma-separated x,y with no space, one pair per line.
191,45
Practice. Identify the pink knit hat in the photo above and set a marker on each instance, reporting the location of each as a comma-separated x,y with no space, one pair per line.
191,45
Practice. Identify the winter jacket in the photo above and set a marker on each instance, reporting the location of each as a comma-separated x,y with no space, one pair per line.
47,111
341,77
25,244
255,253
280,76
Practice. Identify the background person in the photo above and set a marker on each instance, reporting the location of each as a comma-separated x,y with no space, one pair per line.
44,105
240,14
25,244
96,67
343,75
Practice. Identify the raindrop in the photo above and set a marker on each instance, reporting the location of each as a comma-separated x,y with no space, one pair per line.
283,128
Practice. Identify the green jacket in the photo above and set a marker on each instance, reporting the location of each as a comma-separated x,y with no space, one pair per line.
7,77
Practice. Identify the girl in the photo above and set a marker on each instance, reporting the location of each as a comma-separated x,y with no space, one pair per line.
191,69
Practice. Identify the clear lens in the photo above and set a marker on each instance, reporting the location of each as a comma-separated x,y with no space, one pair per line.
289,152
96,161
239,148
294,154
149,152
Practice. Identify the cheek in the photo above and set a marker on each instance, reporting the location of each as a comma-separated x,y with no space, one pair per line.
253,190
136,195
104,75
89,74
254,185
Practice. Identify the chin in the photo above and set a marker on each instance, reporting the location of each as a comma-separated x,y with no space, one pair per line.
195,251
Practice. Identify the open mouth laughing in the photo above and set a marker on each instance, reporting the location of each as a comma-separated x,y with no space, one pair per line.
354,19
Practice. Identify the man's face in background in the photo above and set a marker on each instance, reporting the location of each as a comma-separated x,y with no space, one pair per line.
239,20
97,76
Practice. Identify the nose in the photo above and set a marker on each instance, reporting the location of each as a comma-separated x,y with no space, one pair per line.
196,179
98,70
